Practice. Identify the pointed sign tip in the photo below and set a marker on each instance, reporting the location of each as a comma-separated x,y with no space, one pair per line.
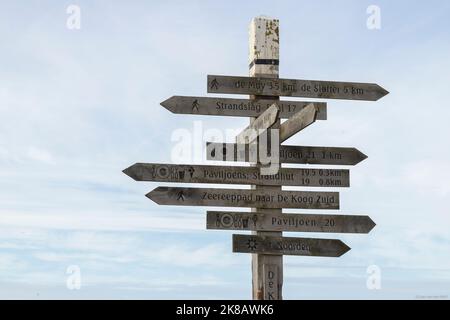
363,156
360,156
131,172
345,248
157,194
383,92
128,171
372,224
150,194
167,103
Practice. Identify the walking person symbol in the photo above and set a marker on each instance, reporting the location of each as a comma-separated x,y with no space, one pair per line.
195,105
180,196
214,84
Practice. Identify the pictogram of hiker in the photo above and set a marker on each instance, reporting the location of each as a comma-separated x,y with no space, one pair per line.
195,105
214,84
180,196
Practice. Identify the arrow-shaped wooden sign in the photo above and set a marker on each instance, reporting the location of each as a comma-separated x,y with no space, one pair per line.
288,246
259,125
297,122
183,173
244,198
211,106
288,154
292,222
295,88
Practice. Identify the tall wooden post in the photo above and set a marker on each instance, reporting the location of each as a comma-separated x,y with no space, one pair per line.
264,40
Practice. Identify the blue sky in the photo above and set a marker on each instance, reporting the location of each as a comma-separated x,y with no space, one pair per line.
79,106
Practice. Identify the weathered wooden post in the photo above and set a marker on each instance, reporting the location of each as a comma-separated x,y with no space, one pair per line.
266,198
264,41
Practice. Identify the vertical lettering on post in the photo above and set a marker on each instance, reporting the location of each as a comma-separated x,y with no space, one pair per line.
271,281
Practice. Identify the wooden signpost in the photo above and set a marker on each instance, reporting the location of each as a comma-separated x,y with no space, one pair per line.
263,59
253,221
266,199
237,107
183,173
288,246
295,88
244,198
288,154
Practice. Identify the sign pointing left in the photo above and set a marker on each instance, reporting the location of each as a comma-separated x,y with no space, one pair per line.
244,198
215,106
183,173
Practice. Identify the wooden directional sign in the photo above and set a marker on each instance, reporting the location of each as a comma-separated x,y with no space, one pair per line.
259,125
295,88
288,246
257,221
237,175
297,122
266,197
288,154
237,107
244,198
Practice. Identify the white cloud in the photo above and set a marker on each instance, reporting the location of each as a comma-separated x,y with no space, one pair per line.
212,255
40,155
102,221
77,109
429,177
10,261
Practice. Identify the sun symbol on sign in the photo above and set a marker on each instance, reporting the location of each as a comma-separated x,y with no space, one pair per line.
251,244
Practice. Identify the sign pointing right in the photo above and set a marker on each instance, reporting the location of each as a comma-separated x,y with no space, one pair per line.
219,151
262,123
297,122
289,246
293,222
295,88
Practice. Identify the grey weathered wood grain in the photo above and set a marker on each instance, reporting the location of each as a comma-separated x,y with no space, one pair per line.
271,281
264,41
295,88
289,246
288,154
259,125
211,106
291,222
183,173
244,198
297,122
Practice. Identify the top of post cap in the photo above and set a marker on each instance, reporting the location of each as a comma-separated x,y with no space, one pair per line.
264,17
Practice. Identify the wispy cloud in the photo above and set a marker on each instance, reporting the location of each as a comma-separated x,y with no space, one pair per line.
77,107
